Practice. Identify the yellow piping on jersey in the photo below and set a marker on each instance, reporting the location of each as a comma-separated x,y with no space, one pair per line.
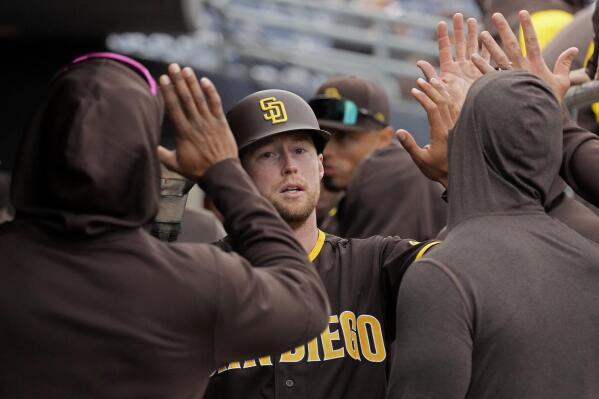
318,246
426,248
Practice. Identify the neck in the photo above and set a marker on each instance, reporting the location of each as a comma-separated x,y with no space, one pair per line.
307,232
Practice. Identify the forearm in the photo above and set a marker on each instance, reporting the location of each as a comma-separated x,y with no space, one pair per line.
580,160
276,301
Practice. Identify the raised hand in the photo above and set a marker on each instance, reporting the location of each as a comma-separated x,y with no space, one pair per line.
532,62
202,134
457,73
432,159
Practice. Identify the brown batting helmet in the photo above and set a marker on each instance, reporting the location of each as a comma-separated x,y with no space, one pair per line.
270,112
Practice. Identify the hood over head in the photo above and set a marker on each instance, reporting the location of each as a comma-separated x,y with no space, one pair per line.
87,163
506,147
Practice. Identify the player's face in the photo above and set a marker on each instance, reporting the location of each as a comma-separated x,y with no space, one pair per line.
343,154
287,171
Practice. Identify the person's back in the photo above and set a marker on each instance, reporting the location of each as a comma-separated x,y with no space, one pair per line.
515,291
93,306
533,326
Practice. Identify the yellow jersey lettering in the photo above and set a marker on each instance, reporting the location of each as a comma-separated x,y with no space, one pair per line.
221,369
294,356
265,361
234,365
348,323
327,341
313,355
249,364
375,353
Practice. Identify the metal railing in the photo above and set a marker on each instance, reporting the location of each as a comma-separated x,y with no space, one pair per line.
582,96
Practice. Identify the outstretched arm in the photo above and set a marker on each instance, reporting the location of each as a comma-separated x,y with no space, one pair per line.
271,298
432,354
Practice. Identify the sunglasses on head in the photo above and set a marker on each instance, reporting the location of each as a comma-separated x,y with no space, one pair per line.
130,62
343,111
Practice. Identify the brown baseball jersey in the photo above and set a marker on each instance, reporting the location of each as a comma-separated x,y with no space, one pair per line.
388,195
349,359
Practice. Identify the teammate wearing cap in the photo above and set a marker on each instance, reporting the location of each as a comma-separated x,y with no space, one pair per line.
376,173
281,146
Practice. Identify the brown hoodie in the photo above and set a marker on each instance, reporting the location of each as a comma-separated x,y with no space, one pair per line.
91,305
581,155
507,306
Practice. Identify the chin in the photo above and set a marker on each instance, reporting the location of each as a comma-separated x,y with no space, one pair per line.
332,184
294,215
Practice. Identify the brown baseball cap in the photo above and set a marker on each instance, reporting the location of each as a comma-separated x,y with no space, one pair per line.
351,103
270,112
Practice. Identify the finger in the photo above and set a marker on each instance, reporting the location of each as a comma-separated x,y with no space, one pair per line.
497,54
173,107
472,39
531,43
433,113
459,37
448,108
444,43
196,91
185,98
436,97
564,61
483,66
213,98
427,69
485,54
409,144
168,158
508,39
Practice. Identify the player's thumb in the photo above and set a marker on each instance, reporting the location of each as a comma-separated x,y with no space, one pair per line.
408,142
168,158
564,61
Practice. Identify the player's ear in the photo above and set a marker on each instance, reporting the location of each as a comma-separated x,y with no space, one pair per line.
385,136
320,166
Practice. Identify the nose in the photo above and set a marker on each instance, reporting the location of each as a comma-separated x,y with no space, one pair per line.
289,164
331,148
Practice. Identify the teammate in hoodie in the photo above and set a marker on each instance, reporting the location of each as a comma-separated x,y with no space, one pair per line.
506,307
91,305
460,72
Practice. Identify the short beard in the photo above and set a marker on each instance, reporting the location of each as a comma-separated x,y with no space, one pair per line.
328,183
296,218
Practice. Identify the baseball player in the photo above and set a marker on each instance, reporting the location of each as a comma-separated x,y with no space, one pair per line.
281,146
375,172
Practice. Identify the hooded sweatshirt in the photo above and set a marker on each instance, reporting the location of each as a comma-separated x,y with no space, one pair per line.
581,157
507,306
93,306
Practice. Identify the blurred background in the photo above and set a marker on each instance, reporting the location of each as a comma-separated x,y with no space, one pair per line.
243,45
